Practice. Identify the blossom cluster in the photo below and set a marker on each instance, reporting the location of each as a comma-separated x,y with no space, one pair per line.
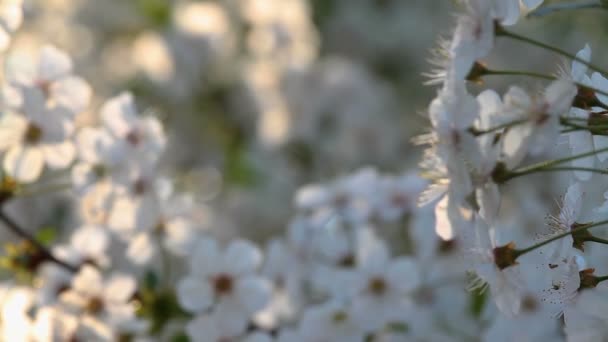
479,144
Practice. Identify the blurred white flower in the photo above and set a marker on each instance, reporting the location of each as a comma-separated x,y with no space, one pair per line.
225,281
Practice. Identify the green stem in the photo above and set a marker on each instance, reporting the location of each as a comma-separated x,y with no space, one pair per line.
477,132
552,8
521,252
596,239
41,190
500,31
600,279
490,72
557,169
547,164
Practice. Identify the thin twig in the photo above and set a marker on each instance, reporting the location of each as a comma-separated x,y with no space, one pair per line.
566,6
22,233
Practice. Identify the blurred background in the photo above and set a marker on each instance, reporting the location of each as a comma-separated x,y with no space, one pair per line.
262,96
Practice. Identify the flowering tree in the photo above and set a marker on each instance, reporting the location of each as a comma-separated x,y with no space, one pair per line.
453,250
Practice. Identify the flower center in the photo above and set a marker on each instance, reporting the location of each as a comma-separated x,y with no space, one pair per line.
223,284
529,304
45,87
140,186
133,138
94,306
377,286
100,171
399,200
33,134
339,316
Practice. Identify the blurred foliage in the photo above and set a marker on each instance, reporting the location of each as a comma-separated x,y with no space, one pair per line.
158,12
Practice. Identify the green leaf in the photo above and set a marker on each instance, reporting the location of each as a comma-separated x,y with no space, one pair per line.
150,280
479,297
180,338
46,235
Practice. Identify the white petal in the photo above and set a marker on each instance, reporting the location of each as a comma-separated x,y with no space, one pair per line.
531,3
488,198
573,201
206,258
254,293
180,237
601,142
88,281
203,328
90,240
507,11
403,274
600,82
119,114
579,69
54,63
580,142
73,93
194,294
24,163
142,248
242,257
443,227
60,155
559,95
515,144
120,288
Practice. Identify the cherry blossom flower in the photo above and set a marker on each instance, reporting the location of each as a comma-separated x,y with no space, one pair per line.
225,281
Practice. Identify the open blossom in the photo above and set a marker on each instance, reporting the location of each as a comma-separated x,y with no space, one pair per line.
398,195
541,115
506,284
34,135
142,138
98,159
586,320
11,17
225,281
103,305
473,38
582,141
331,321
490,145
51,76
382,286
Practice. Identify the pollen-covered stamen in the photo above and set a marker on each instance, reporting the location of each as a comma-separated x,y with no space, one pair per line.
348,260
541,114
161,227
400,200
424,295
140,187
339,316
529,304
33,134
134,137
223,284
100,171
377,286
94,306
45,87
341,200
